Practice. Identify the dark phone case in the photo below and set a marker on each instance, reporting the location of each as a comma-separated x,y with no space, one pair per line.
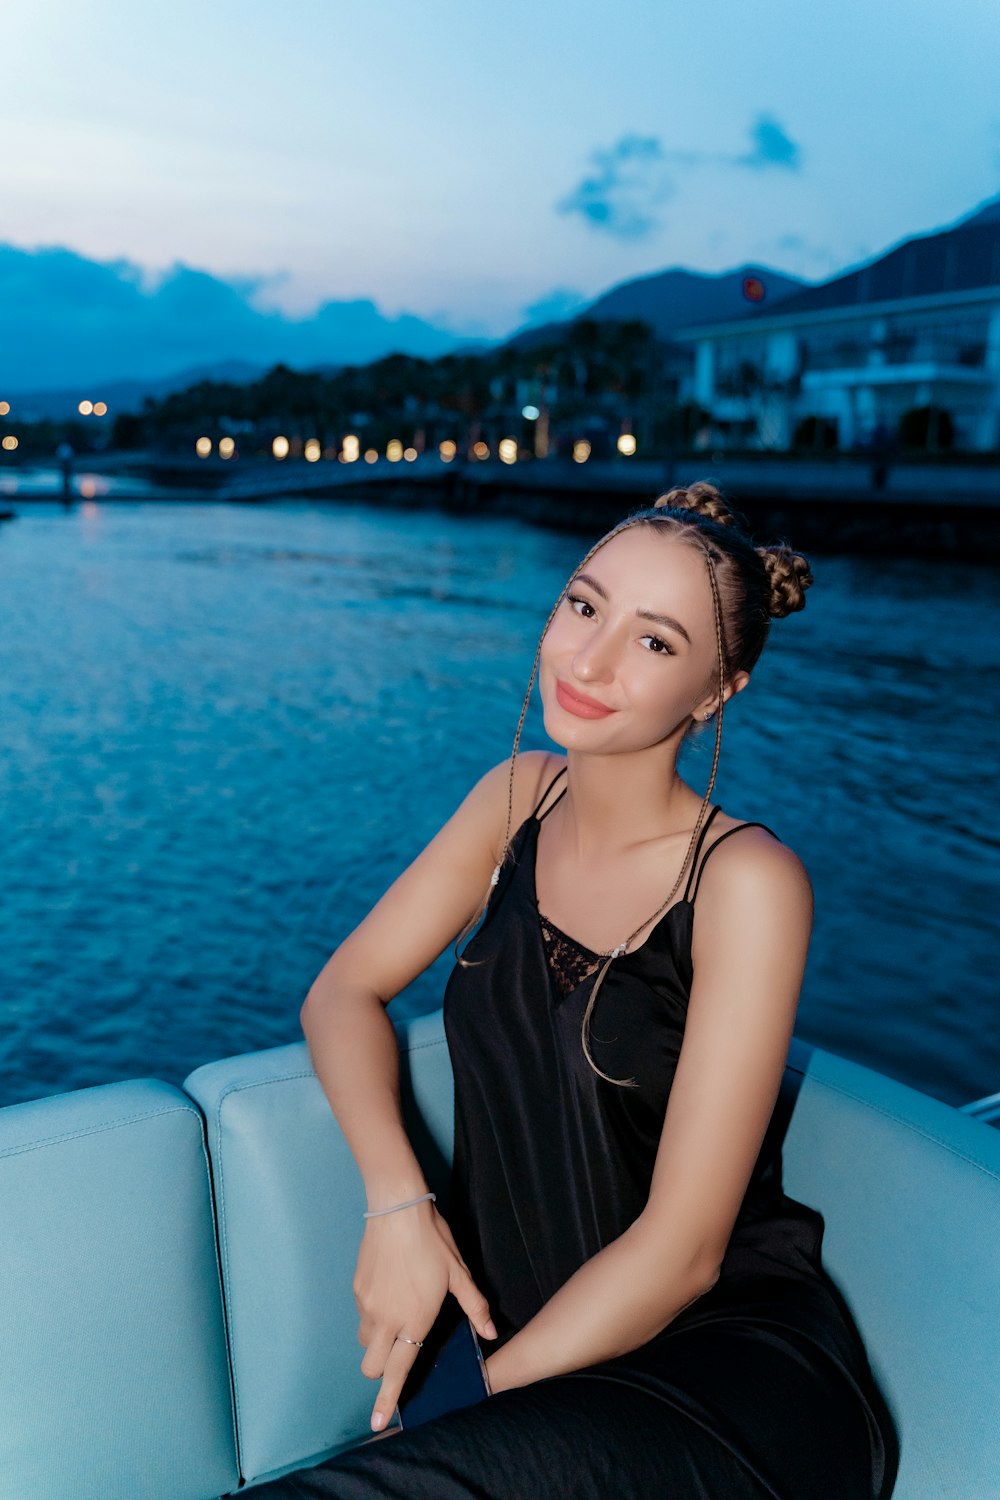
447,1373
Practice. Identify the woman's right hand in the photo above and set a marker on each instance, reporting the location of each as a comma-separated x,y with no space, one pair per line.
407,1264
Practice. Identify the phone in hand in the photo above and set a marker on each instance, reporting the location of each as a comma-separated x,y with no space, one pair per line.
449,1372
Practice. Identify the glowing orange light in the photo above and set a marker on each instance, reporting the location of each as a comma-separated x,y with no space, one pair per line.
227,447
371,455
352,448
508,450
626,444
280,447
481,449
581,451
9,442
4,408
100,408
203,447
409,454
394,450
313,451
88,486
447,450
85,408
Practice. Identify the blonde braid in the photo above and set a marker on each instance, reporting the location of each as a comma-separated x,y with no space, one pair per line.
699,821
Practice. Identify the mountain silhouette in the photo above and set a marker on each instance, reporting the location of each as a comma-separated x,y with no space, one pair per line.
669,300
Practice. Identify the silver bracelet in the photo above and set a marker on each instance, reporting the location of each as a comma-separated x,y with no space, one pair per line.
374,1212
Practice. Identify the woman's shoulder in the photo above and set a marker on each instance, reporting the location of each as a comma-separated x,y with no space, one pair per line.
534,773
750,850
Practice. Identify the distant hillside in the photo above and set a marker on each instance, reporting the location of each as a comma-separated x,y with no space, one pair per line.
128,395
961,259
986,213
670,300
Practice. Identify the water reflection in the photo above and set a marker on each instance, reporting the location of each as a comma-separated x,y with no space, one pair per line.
226,729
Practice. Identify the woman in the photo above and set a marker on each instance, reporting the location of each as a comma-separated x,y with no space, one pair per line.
655,1308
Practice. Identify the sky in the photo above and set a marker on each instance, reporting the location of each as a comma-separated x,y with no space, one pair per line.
470,165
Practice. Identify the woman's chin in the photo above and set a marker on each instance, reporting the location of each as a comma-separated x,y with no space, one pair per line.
571,733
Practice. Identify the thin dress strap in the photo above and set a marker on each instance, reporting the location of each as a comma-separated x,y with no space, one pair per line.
538,804
697,850
721,839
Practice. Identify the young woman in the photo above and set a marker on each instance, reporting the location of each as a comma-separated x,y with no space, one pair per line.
655,1310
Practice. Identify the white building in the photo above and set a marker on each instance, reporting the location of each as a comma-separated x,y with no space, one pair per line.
920,327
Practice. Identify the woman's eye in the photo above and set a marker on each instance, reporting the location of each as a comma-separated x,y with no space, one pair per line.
658,647
581,606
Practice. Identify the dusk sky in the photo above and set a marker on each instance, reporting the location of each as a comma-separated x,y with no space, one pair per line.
478,164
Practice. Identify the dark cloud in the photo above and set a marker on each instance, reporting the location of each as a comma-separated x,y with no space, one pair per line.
631,180
622,195
67,318
771,147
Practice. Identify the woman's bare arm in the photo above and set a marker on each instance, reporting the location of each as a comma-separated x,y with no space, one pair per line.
408,1260
351,1041
751,936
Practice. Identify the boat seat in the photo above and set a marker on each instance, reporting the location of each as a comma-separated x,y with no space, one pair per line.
119,1381
909,1189
114,1375
289,1201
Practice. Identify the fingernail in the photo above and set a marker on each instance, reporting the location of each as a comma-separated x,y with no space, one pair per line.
378,1420
490,1329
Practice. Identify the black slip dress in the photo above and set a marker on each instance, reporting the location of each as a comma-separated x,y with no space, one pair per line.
760,1388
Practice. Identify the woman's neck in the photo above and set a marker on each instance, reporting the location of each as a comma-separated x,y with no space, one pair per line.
615,802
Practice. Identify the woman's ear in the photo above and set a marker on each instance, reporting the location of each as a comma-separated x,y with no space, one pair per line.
735,685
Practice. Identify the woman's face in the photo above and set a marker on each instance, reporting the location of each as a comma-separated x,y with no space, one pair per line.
630,655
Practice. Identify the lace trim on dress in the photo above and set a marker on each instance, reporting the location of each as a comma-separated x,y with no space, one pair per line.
570,962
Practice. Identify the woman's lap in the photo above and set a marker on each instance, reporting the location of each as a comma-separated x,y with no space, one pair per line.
763,1428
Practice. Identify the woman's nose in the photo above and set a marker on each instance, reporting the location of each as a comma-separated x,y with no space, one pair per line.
594,662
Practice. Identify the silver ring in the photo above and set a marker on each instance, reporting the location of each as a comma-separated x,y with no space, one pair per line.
401,1337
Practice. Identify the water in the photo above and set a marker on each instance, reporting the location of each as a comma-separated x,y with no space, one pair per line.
226,729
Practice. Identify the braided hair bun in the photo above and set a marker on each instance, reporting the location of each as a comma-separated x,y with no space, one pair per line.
788,572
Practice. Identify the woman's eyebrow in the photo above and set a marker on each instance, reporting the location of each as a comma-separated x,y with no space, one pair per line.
644,614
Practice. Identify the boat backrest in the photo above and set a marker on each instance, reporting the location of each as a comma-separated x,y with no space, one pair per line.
289,1202
126,1373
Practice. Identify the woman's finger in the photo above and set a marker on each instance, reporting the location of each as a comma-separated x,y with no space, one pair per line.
397,1367
373,1363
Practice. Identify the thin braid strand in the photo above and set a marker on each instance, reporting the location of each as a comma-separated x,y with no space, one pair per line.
623,947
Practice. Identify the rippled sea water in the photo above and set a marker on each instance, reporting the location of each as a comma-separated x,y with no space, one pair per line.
226,729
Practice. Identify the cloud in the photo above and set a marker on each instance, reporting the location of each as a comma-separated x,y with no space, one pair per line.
622,195
772,147
632,179
67,319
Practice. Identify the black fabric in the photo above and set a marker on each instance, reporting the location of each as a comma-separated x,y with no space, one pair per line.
761,1387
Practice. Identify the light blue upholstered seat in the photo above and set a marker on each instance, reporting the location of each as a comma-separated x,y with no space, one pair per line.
289,1201
909,1189
114,1378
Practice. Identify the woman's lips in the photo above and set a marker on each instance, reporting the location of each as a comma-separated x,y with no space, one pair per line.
579,704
